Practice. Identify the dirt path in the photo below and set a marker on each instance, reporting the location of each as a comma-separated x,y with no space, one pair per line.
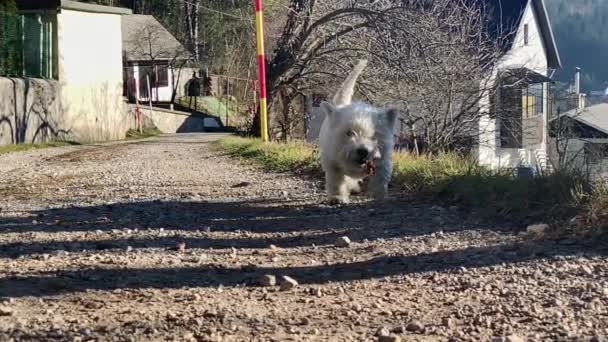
167,240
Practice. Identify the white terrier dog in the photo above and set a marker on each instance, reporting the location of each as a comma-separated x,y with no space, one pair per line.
356,142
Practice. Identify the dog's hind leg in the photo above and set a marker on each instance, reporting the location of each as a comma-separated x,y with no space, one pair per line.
336,186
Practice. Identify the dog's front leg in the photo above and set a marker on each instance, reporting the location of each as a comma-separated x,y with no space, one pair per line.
336,186
378,183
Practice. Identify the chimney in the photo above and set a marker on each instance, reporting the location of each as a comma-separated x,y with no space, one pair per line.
582,101
577,81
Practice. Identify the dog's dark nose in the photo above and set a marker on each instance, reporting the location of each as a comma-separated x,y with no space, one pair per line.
362,154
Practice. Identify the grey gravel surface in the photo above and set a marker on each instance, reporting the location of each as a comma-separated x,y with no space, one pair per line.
166,239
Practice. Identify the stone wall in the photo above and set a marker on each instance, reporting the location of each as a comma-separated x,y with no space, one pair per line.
31,111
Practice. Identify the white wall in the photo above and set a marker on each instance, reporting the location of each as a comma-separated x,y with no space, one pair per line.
90,73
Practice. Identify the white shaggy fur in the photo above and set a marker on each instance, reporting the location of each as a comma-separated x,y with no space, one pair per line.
352,135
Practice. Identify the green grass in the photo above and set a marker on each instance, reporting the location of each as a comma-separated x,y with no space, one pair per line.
146,133
448,178
26,147
131,135
294,156
213,105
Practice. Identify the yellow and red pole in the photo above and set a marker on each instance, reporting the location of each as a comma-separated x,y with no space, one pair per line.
259,28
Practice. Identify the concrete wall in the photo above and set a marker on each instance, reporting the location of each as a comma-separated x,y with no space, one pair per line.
171,121
90,74
31,111
531,56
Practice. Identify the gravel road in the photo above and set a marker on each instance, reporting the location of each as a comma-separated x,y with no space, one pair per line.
165,239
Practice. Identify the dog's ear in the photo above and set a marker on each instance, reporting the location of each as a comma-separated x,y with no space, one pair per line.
391,116
328,108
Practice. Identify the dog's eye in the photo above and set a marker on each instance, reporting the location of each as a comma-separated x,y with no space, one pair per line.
350,133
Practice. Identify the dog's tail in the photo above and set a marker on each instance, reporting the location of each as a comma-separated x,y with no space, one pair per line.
345,94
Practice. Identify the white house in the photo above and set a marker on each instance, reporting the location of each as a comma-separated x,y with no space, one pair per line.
518,135
152,55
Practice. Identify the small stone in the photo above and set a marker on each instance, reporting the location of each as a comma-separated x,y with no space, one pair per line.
189,337
4,311
587,270
129,249
448,322
415,326
390,338
86,331
285,194
383,331
267,280
181,247
514,338
273,247
343,241
537,229
288,283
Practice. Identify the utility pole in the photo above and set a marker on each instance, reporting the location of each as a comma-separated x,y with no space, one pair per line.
259,28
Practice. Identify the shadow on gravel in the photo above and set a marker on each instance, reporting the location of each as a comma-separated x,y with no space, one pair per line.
53,283
285,223
262,216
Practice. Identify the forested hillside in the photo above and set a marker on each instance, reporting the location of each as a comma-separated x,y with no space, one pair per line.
581,31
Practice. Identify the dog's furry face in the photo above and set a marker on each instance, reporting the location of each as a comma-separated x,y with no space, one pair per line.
359,134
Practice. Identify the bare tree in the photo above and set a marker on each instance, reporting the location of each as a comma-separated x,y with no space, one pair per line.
192,19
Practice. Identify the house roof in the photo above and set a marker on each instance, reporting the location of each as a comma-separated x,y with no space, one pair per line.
593,116
505,18
70,5
146,39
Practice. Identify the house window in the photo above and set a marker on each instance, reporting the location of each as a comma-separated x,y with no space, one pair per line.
161,76
526,34
509,112
532,100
